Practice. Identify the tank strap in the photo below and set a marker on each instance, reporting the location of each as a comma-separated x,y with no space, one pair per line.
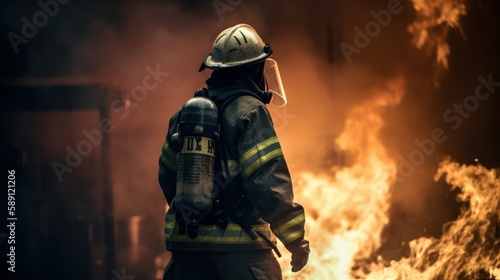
224,96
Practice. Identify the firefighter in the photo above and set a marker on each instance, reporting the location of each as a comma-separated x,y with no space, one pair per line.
252,196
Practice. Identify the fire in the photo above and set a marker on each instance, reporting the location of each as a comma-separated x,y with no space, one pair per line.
347,209
469,247
433,21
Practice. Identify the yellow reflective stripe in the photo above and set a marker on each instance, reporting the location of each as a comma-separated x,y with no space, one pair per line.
167,163
168,157
293,222
214,234
214,239
291,230
168,149
259,162
233,168
230,226
293,236
249,162
260,146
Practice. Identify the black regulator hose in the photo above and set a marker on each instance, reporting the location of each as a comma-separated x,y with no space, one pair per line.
254,234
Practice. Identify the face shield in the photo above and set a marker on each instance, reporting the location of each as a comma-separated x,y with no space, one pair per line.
273,82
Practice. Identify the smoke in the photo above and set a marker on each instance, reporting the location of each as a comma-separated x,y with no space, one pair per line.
320,84
117,41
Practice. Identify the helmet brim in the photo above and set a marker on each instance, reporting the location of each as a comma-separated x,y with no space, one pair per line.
208,63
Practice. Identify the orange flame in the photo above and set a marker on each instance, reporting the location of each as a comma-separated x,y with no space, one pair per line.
470,246
433,22
347,210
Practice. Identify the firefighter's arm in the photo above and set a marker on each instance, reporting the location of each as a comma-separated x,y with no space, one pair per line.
167,172
268,186
274,200
167,175
270,190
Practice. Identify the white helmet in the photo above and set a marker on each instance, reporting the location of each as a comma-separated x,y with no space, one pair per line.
236,46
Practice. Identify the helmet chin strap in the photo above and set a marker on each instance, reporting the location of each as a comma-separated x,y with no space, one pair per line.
260,80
